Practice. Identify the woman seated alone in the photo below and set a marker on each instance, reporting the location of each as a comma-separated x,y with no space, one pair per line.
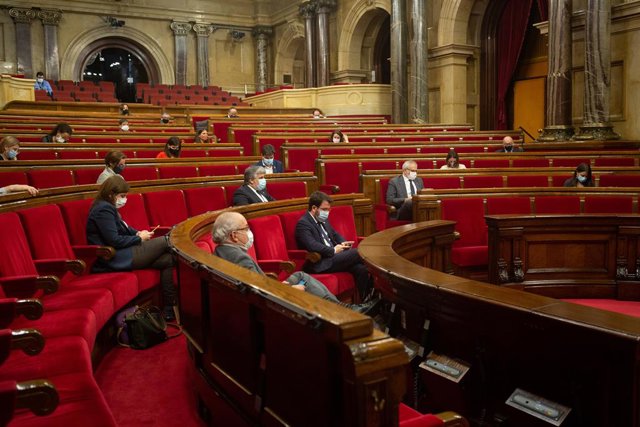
581,177
115,162
134,249
9,148
453,161
202,137
337,136
171,149
59,134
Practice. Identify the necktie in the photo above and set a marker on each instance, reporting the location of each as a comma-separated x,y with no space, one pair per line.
325,235
413,187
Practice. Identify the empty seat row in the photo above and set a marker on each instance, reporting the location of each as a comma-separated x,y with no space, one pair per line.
81,153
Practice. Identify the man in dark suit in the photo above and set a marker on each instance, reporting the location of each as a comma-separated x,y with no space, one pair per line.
254,189
233,237
314,233
402,188
268,162
508,147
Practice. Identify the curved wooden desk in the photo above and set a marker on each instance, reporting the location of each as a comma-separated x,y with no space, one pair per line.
583,358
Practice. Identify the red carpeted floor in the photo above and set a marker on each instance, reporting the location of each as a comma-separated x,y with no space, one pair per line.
149,387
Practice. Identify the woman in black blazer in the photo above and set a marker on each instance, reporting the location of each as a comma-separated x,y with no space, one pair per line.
134,249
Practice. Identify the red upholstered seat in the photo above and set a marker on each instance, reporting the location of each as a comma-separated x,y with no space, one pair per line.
491,163
289,221
77,154
557,205
141,173
409,417
530,163
381,209
488,181
50,178
558,180
10,177
527,181
508,205
201,200
303,159
342,220
177,172
134,212
217,170
569,162
166,208
193,153
379,165
146,154
471,249
346,175
619,180
37,154
229,190
608,204
287,190
438,182
75,214
615,161
87,175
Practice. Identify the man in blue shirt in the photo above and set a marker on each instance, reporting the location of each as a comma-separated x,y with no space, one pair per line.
42,84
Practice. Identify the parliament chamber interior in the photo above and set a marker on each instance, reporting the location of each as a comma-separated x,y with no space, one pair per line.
320,213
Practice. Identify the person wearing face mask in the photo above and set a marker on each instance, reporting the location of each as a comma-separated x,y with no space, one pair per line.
60,134
42,84
172,149
337,137
254,189
233,238
268,161
232,113
401,190
115,162
134,249
9,148
315,234
508,147
581,177
202,137
453,161
165,118
124,110
124,125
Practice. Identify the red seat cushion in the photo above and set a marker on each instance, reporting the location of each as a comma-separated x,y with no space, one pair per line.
140,173
488,181
134,212
491,163
605,204
9,178
287,190
530,163
166,208
177,172
470,256
469,216
527,181
269,238
289,221
53,178
75,214
619,180
342,220
508,205
558,205
201,200
217,170
442,182
80,322
87,176
346,175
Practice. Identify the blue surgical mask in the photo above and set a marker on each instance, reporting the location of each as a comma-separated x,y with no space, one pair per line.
267,162
262,184
581,179
12,154
118,169
323,216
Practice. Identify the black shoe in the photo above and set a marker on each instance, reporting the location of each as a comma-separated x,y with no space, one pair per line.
168,313
368,308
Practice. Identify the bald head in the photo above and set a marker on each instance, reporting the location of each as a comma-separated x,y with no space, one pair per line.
225,224
507,142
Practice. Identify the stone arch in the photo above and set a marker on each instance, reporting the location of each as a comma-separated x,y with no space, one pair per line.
84,44
362,20
454,22
290,43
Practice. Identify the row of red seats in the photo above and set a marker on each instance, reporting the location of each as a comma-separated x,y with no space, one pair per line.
69,153
41,95
136,126
53,178
122,137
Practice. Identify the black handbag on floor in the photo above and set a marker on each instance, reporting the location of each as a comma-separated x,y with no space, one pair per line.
141,327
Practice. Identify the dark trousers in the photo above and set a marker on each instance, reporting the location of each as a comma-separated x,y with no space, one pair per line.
405,212
155,254
348,261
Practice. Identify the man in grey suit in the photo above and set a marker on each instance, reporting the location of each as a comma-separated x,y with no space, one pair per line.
233,237
402,188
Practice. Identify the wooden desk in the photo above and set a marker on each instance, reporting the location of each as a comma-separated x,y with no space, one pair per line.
566,256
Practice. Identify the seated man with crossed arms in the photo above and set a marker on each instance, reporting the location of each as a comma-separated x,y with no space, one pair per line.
234,238
402,188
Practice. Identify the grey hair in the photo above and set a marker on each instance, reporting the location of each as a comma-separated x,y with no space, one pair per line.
251,172
407,163
224,225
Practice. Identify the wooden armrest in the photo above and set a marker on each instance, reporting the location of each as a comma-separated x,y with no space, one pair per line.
272,275
330,188
39,396
277,265
30,308
452,419
390,209
30,341
94,251
456,235
27,286
57,267
313,257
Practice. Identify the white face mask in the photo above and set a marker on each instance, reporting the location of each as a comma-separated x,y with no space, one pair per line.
120,202
249,242
40,79
60,139
336,139
412,175
125,127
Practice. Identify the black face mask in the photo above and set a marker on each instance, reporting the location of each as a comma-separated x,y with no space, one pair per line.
124,112
508,149
174,151
118,169
165,121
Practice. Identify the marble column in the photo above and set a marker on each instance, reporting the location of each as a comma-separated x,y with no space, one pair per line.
558,115
262,33
22,18
399,87
597,73
418,73
180,31
308,12
50,19
324,7
203,31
